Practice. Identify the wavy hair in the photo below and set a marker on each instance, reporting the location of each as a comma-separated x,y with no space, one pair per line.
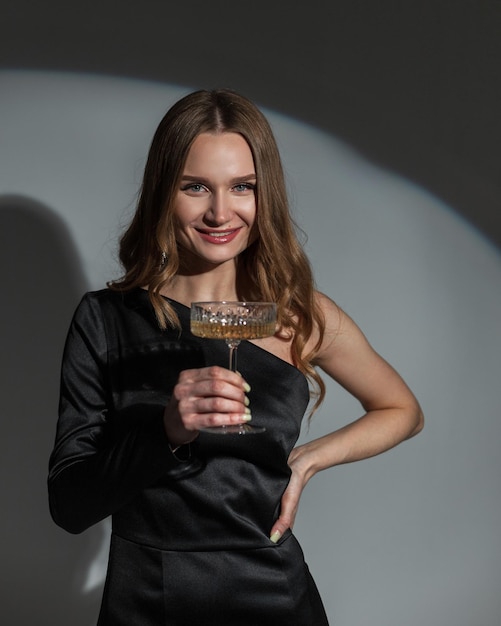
273,268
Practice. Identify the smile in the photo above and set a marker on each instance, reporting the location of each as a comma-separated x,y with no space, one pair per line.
219,236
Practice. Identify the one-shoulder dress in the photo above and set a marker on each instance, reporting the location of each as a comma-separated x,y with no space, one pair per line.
190,531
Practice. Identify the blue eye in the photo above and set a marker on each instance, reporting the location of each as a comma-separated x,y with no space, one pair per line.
195,187
244,187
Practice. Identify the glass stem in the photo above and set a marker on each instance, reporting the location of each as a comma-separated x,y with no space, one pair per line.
233,345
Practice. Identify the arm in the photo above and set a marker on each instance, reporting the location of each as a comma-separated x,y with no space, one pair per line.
93,468
391,412
103,456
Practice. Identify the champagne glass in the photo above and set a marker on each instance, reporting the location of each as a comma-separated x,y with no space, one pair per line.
233,322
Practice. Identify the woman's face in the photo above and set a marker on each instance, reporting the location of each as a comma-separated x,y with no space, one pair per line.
215,204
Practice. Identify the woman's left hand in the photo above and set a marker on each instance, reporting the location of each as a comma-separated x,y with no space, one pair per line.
291,495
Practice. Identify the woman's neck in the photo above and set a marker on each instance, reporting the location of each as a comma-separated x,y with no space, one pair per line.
202,287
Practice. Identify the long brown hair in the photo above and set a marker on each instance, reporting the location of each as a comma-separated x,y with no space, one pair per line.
273,268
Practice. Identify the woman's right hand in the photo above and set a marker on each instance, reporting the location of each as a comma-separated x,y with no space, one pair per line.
210,396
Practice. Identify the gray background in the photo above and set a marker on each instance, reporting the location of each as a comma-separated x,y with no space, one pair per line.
387,116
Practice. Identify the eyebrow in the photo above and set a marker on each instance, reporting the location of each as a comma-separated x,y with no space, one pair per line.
237,179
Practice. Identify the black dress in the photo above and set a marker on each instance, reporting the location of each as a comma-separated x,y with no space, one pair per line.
190,535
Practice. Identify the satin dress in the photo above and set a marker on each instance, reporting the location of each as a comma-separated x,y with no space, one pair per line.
190,531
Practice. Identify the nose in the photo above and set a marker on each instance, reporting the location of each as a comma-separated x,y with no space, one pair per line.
219,211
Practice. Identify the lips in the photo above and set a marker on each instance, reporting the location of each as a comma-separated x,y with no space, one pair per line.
218,237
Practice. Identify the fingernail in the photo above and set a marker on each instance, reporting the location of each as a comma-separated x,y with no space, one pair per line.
246,401
246,387
275,536
247,417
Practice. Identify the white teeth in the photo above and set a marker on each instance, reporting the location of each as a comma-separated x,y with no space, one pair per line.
218,234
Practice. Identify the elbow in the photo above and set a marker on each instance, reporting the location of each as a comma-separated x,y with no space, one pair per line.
418,422
66,519
66,511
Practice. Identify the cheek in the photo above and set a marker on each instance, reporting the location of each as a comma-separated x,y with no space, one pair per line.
248,212
179,227
184,214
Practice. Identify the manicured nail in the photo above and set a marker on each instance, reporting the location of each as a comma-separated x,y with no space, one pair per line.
247,417
275,536
246,387
246,401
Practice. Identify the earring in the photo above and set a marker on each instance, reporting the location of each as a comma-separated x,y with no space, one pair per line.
163,259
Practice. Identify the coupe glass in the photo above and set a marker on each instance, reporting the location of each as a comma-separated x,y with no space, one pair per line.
233,322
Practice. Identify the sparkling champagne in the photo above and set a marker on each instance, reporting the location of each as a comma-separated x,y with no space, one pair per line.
216,329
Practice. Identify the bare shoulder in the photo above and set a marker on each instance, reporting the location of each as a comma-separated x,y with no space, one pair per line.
331,311
341,333
335,319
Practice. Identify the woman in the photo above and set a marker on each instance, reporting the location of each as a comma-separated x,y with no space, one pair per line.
202,524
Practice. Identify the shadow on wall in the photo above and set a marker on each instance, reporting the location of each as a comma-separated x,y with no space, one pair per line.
42,281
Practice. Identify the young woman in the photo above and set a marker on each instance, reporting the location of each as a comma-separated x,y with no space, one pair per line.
202,524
